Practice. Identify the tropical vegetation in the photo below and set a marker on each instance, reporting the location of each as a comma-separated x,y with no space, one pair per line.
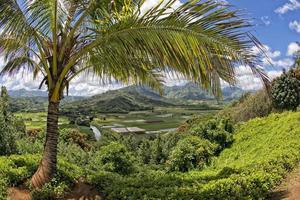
192,144
286,91
58,40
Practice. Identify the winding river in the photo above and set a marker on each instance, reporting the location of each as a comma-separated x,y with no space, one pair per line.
96,132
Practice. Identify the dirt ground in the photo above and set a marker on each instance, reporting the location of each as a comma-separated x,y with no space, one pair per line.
289,189
81,191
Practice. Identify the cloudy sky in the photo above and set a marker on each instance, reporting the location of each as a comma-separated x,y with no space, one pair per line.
277,26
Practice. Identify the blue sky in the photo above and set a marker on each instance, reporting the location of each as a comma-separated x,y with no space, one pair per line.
272,20
276,25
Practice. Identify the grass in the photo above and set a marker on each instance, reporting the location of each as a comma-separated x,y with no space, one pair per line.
263,140
38,120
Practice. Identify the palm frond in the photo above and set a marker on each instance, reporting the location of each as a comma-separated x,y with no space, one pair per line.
18,64
202,41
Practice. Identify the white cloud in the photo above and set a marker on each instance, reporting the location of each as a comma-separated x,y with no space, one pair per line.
222,2
290,6
247,81
295,25
293,48
89,85
148,4
266,20
283,63
268,51
272,58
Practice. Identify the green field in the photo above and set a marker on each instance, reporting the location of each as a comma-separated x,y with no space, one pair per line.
38,121
159,118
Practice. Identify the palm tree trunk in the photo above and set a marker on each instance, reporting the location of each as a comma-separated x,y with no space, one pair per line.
47,167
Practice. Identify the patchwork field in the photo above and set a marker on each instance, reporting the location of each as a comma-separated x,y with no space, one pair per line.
158,119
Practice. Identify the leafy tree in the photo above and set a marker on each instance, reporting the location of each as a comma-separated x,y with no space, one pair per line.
113,158
144,151
218,131
190,153
8,131
115,40
286,92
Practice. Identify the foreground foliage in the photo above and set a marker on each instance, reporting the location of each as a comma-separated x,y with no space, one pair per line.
263,151
117,40
10,126
16,169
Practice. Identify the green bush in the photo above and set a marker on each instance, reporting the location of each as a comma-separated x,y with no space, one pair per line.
17,169
54,189
218,131
156,150
190,153
113,158
73,153
286,92
3,188
29,145
74,136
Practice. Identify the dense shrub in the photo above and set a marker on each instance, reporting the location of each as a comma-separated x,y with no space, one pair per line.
73,153
156,149
76,137
16,169
286,92
113,158
144,152
3,188
32,142
190,153
249,106
218,131
52,190
30,145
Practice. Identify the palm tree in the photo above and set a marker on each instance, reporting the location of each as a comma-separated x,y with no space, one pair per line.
116,40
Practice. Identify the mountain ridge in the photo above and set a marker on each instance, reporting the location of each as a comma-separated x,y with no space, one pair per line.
131,98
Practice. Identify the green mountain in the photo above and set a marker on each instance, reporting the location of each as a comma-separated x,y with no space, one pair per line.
191,91
118,101
132,98
33,101
27,93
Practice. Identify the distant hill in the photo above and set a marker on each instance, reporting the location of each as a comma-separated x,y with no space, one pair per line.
33,101
27,93
191,91
118,101
132,98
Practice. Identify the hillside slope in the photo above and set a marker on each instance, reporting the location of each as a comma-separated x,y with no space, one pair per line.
264,151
